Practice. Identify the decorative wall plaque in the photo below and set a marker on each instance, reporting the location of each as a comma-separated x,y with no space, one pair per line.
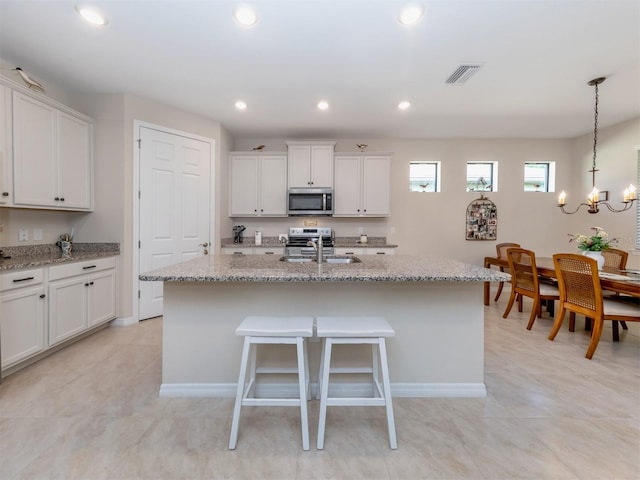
482,220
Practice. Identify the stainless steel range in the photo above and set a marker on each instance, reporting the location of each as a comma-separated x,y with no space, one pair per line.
299,237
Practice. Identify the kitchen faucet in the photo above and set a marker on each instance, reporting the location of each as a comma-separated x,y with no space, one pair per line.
318,248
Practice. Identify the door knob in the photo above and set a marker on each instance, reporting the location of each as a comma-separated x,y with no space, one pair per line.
205,244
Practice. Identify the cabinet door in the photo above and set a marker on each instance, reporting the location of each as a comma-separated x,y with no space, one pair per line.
6,170
101,300
375,186
34,151
22,323
273,185
347,186
74,162
299,166
67,308
243,186
321,166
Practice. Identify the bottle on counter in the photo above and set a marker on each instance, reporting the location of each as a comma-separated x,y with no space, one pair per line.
363,239
258,237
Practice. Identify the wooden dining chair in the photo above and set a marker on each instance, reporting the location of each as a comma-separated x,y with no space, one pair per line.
615,258
501,252
526,283
580,292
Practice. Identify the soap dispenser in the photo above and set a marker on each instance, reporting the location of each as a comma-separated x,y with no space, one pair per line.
258,238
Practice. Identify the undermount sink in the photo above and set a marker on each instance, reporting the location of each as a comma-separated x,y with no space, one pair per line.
297,259
332,259
342,260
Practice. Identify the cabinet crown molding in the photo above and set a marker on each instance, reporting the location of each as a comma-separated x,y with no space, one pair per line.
44,99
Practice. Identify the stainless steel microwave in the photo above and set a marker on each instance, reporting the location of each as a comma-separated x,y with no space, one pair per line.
310,202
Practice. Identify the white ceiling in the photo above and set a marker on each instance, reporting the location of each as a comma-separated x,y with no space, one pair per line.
537,56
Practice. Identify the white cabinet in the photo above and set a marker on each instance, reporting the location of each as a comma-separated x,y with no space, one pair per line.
236,251
258,185
362,185
81,295
251,250
380,251
349,251
22,315
310,164
365,251
268,250
6,170
52,156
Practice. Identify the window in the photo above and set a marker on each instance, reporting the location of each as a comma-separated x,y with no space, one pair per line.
424,176
539,176
482,176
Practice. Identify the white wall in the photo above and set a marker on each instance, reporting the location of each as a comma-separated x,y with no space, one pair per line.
434,222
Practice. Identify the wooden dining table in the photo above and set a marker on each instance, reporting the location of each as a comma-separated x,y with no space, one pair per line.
546,269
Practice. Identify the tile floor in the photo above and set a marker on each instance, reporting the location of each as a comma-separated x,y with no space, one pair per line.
92,411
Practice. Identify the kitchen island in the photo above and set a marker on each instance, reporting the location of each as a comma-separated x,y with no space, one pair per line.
434,304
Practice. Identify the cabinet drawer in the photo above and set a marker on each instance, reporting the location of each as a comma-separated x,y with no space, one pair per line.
349,251
380,251
81,268
21,278
268,251
236,251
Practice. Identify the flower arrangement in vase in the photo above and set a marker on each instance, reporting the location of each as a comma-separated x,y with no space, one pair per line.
593,245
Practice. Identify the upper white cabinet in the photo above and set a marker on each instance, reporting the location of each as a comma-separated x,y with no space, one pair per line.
6,170
52,156
258,184
362,185
310,164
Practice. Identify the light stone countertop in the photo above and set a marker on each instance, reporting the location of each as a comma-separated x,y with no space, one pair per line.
269,268
44,255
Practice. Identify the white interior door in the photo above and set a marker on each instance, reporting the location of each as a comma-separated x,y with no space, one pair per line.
174,206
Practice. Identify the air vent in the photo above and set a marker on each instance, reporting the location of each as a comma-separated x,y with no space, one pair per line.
463,73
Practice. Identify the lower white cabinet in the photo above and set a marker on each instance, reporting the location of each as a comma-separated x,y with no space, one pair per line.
365,251
380,251
22,323
42,307
236,251
79,300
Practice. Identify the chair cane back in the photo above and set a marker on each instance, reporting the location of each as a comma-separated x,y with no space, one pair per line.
525,282
501,252
580,292
615,258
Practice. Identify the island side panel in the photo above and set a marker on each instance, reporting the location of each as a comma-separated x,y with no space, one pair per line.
439,327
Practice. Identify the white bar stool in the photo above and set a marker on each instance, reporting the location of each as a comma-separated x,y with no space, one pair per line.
354,331
259,330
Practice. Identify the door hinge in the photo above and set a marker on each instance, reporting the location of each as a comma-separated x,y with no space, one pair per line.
139,194
138,293
139,142
139,243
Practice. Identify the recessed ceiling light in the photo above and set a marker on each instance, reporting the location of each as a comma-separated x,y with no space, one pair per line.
404,105
240,105
411,14
91,16
323,105
245,16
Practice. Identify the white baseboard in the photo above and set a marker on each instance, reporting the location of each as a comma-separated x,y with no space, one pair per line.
284,390
123,322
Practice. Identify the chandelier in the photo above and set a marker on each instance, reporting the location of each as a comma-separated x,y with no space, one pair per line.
593,201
